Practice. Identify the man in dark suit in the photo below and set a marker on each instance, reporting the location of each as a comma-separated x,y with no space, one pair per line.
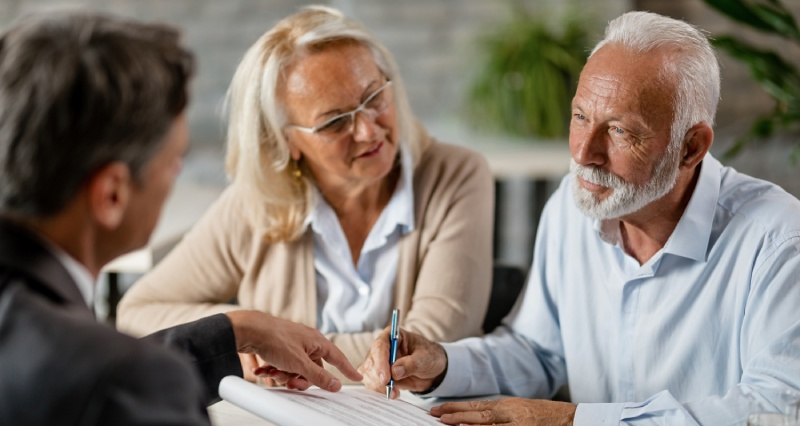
92,132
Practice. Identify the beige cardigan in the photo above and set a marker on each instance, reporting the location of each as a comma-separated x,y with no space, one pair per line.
443,278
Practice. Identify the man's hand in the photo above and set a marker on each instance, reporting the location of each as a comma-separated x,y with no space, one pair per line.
420,363
509,411
250,364
294,352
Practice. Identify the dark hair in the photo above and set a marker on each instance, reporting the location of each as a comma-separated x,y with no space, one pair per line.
77,92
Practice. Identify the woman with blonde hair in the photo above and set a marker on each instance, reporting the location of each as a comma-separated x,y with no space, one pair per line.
341,207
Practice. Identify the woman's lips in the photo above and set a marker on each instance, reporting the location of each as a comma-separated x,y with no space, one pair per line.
373,151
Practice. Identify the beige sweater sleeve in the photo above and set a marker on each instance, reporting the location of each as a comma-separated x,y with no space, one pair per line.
199,277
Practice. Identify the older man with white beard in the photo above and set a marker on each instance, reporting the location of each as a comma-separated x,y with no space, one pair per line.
665,288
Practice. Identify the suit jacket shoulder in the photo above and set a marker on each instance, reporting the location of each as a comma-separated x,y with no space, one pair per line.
59,366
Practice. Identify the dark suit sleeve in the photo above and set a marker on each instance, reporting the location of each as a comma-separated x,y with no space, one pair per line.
148,386
210,344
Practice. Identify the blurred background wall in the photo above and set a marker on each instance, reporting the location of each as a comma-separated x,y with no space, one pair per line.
434,42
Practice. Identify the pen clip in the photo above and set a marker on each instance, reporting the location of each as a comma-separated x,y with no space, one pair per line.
395,329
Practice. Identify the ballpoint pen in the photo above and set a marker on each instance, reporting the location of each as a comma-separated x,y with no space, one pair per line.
395,334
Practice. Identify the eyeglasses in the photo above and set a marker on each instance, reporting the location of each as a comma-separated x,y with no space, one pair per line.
338,127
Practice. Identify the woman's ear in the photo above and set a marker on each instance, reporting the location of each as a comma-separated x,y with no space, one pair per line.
696,144
294,151
109,194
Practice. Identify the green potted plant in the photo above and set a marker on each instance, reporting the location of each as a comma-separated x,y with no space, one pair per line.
777,76
525,83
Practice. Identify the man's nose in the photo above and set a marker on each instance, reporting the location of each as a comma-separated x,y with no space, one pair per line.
590,147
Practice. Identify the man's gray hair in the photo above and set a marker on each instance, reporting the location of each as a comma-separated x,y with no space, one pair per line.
693,64
77,92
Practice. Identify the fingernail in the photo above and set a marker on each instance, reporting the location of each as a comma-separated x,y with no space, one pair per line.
399,372
334,384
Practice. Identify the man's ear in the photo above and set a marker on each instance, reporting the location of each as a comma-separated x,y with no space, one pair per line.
109,194
696,144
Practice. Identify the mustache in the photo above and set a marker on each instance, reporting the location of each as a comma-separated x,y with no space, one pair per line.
596,175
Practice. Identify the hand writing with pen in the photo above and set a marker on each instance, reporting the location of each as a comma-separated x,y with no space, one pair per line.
421,366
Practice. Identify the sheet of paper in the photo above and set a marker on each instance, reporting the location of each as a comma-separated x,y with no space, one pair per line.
348,407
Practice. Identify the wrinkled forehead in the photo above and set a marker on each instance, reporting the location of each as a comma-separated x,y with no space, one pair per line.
328,78
641,81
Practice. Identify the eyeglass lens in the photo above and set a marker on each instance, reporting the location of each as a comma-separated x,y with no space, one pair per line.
341,125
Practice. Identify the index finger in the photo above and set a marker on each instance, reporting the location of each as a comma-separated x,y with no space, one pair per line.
382,344
335,357
375,366
318,376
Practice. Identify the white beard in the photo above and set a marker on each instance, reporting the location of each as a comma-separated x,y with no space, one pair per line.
625,197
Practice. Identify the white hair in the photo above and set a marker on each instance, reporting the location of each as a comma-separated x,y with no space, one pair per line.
693,64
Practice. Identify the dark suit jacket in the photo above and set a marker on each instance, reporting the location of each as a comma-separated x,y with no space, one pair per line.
59,366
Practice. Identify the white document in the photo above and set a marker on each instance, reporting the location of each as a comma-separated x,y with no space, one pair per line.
348,407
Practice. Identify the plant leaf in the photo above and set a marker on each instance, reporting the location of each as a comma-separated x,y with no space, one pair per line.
776,76
772,17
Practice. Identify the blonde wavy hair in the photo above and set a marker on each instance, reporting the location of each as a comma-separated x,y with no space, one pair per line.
257,152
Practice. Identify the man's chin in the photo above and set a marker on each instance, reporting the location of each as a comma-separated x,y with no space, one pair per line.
597,207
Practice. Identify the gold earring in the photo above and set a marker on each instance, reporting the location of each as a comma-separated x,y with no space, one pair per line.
298,174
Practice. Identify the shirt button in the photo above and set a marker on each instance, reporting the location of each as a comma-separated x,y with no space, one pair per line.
363,290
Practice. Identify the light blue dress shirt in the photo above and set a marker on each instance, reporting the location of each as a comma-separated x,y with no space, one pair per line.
351,298
705,331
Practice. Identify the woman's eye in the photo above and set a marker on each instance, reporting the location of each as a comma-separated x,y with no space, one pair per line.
335,125
375,102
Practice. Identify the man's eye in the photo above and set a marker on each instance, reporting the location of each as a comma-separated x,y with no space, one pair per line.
617,130
579,117
336,125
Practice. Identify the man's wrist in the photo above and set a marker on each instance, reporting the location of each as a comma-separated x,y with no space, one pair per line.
239,322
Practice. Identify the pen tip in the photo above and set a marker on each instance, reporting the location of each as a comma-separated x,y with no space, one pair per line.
388,392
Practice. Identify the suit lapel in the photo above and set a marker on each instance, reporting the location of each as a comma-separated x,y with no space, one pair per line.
24,252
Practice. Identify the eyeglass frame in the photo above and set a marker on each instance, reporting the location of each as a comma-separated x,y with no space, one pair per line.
314,130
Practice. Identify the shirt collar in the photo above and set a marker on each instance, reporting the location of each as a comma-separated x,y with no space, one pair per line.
691,236
693,232
83,279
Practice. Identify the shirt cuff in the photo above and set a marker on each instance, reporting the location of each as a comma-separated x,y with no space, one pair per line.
598,414
453,384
